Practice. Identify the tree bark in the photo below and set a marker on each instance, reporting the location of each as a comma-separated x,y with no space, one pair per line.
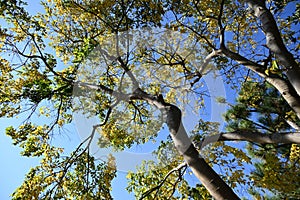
172,114
206,175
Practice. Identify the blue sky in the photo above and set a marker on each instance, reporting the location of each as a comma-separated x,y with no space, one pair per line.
14,167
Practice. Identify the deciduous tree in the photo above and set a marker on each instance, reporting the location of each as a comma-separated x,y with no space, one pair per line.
253,44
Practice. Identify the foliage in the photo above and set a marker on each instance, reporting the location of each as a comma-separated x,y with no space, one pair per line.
79,176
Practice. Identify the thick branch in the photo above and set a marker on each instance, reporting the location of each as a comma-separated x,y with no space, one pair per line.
256,137
208,177
288,89
275,43
284,87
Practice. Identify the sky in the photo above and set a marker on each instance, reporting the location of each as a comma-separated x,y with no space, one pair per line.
14,167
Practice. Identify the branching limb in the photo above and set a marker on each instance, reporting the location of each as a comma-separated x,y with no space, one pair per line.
79,151
179,178
208,59
275,43
41,56
122,63
208,177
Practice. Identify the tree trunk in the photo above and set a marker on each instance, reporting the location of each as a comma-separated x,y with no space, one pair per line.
208,177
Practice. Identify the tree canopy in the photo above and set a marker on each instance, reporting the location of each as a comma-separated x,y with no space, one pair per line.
134,66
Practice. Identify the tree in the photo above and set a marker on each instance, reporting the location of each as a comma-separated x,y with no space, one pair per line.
241,38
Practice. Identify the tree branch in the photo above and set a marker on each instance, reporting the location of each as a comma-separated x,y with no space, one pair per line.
273,38
284,87
275,43
208,59
208,177
256,137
